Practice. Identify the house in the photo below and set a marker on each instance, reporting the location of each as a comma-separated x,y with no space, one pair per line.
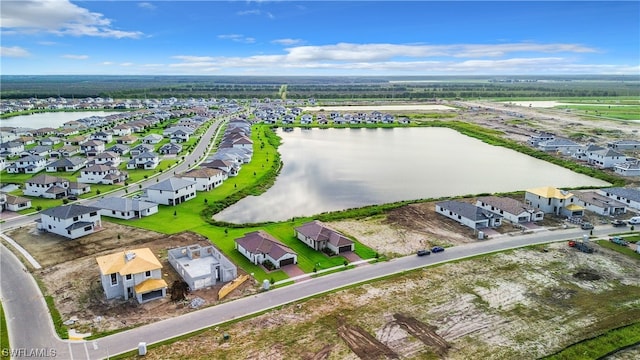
605,158
107,158
468,214
628,196
553,201
122,130
76,188
599,203
71,221
141,148
511,209
49,141
540,137
11,148
205,178
260,247
75,141
130,274
125,208
628,168
102,174
65,151
172,191
201,267
39,150
563,146
14,203
65,164
321,237
126,140
584,153
170,149
227,166
243,142
118,149
30,164
306,119
179,136
92,147
152,139
46,186
146,160
624,144
102,136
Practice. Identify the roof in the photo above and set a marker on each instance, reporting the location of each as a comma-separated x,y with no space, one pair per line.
550,192
467,210
150,285
72,161
318,231
171,184
123,204
593,198
12,199
509,205
202,173
142,260
69,211
45,179
573,207
261,242
627,193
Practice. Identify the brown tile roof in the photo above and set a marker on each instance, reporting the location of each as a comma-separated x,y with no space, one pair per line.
261,242
318,231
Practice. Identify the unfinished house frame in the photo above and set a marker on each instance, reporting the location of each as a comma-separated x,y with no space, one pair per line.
201,267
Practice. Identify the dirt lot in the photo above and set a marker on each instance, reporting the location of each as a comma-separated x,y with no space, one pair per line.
72,277
521,304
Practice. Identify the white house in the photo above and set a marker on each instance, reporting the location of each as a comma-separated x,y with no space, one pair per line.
599,203
564,146
554,201
321,237
65,164
92,147
259,246
71,221
606,158
107,158
30,164
172,191
628,196
628,168
125,208
133,273
205,178
152,139
14,203
11,148
102,136
47,186
146,160
201,266
122,130
511,209
468,214
630,144
102,174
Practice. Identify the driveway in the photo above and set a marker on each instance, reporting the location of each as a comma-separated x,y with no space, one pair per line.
294,271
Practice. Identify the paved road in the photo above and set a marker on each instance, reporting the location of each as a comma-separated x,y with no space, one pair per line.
24,335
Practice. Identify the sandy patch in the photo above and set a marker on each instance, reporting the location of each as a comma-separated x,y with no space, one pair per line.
357,108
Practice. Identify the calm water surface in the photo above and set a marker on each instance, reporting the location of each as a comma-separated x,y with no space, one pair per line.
334,169
50,119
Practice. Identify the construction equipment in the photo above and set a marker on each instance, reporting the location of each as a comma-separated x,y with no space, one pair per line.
619,240
582,246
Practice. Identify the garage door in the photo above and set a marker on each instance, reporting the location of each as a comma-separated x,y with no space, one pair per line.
344,248
286,262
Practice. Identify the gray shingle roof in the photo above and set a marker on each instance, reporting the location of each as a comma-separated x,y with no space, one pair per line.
627,193
69,211
171,184
467,210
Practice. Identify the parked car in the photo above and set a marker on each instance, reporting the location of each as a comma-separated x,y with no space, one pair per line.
586,226
437,249
618,223
423,252
634,220
72,197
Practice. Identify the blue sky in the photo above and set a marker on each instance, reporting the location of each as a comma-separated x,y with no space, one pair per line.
52,37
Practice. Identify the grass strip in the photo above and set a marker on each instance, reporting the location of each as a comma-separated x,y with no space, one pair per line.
4,335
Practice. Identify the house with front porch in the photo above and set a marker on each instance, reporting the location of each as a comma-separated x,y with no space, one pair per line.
511,209
125,208
30,164
205,178
130,274
468,214
260,247
554,201
201,266
172,191
321,237
71,221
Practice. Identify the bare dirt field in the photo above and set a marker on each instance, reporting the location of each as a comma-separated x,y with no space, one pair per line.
394,108
71,275
522,304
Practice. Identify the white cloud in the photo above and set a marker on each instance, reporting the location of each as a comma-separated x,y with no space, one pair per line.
287,42
47,43
237,38
75,57
59,17
256,12
107,63
13,51
146,5
126,64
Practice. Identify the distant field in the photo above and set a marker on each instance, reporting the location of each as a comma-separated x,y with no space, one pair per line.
623,110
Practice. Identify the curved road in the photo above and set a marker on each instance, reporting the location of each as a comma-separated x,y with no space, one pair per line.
24,304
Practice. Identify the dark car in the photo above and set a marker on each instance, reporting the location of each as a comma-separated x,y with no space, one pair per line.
436,249
586,226
423,252
72,197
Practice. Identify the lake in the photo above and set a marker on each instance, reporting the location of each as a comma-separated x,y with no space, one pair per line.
334,169
50,119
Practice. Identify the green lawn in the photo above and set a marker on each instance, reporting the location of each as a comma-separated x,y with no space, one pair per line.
619,248
4,334
602,345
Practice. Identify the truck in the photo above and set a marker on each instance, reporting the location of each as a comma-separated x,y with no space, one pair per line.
582,246
619,240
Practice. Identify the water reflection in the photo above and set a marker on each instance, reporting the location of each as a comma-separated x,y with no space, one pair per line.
333,169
